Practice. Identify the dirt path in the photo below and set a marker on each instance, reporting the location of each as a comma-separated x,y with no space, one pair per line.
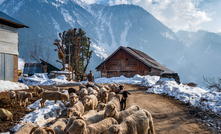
169,117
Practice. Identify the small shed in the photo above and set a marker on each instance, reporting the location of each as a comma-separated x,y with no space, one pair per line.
43,67
128,61
9,47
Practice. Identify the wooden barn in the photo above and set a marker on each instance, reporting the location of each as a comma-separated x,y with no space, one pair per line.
9,47
128,61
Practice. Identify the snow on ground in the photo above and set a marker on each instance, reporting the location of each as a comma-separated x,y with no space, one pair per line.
41,116
7,85
42,79
195,96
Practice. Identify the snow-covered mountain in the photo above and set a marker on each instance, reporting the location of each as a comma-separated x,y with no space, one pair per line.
108,27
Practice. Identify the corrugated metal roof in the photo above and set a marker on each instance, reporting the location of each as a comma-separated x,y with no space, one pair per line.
31,68
141,56
7,20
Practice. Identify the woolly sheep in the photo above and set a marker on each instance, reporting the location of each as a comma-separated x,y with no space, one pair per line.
107,88
11,96
54,88
90,102
87,115
22,97
83,92
79,127
37,90
116,102
111,95
118,88
78,106
96,88
94,92
72,90
89,89
59,126
42,130
26,128
72,99
78,115
140,122
111,111
112,87
53,95
89,84
81,86
101,106
103,94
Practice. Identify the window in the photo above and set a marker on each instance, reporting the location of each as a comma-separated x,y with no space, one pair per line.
116,62
131,62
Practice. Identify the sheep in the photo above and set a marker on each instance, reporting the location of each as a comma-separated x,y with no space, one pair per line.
111,95
41,130
22,97
89,84
78,106
83,92
11,96
110,111
72,99
53,95
79,127
90,102
89,89
81,86
107,88
54,88
72,90
37,90
96,88
94,92
26,128
116,102
118,88
59,126
78,115
87,115
101,106
112,87
124,99
140,122
103,94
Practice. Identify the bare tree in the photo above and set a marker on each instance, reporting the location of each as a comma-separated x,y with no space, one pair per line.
213,84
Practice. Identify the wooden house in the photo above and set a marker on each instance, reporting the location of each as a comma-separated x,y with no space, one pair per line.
128,61
9,47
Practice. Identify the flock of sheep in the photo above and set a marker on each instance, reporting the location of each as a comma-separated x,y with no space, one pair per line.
93,109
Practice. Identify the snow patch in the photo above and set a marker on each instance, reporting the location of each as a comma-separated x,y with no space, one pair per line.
21,64
168,35
99,51
67,17
7,85
123,41
56,25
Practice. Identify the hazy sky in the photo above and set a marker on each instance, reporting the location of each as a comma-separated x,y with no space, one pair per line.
189,15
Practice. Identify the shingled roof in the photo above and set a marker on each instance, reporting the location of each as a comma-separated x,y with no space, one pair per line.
7,20
141,56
